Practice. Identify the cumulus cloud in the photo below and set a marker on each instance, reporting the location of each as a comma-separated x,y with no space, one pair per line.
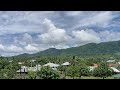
53,35
29,32
30,48
10,48
109,36
103,19
13,48
27,38
83,37
23,39
2,48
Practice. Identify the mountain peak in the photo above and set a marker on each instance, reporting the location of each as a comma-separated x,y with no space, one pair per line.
111,47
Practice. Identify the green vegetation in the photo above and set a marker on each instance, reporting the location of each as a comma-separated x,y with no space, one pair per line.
102,71
32,75
80,59
92,49
48,73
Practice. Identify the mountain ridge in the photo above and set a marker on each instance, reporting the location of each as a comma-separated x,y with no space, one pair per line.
110,47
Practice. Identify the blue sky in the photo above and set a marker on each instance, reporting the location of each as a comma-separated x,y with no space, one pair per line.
34,31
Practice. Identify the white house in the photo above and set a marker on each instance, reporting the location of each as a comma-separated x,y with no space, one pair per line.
115,70
52,65
118,62
25,69
37,67
91,68
66,64
110,61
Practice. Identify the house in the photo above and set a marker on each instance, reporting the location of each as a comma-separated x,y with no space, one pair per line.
115,70
116,76
118,62
23,69
93,67
111,65
111,61
66,64
36,68
52,65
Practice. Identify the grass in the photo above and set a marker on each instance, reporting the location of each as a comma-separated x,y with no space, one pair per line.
92,77
86,77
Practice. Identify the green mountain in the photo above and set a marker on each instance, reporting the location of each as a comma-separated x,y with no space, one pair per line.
112,47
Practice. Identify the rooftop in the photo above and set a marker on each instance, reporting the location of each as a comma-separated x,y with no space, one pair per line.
51,65
66,63
116,75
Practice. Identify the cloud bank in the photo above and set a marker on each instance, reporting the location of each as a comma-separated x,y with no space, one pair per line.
34,31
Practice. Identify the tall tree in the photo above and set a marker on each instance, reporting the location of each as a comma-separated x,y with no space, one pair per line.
83,70
72,71
48,73
32,75
102,71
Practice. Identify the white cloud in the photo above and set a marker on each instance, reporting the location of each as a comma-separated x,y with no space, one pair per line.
100,19
30,31
25,21
30,48
10,49
13,48
83,37
109,35
27,38
53,34
2,48
23,39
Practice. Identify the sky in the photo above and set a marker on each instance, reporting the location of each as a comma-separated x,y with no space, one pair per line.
34,31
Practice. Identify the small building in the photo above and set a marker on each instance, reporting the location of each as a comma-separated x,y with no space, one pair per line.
37,67
111,65
118,62
111,61
66,64
95,65
115,70
116,76
23,69
91,68
52,65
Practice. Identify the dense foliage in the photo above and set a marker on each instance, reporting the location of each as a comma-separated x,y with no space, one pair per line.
79,57
102,71
48,73
91,49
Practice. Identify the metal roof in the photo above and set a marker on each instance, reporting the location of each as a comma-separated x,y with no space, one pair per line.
111,61
66,63
114,69
116,75
51,65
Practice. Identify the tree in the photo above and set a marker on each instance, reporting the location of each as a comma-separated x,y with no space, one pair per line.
32,75
48,73
62,68
83,70
72,71
102,71
6,74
